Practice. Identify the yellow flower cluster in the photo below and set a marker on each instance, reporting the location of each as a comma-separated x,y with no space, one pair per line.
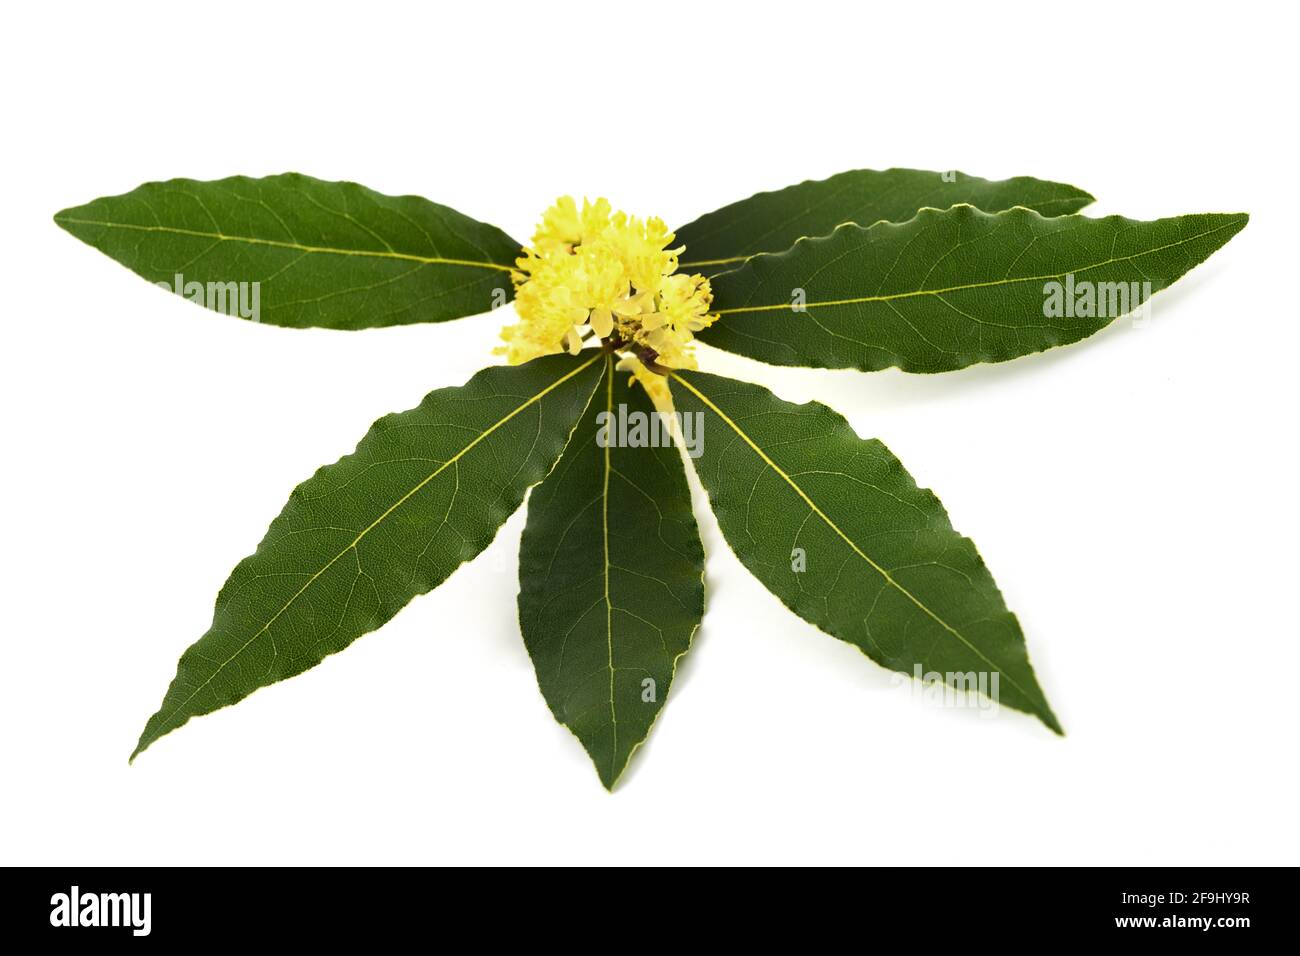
596,274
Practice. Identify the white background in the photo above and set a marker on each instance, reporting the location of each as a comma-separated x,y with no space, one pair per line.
1134,495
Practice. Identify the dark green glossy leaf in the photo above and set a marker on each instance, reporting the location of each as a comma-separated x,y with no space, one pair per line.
611,577
836,529
295,251
425,491
954,287
773,221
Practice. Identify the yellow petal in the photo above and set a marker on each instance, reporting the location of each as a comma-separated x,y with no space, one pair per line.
602,322
573,341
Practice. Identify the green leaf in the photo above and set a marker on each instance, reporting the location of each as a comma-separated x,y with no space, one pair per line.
835,528
611,574
772,221
425,491
951,288
333,255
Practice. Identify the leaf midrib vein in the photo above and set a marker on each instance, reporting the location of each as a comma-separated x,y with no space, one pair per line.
279,244
745,257
974,285
816,509
370,527
609,605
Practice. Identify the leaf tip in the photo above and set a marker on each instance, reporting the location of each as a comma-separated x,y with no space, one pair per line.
1050,722
609,776
141,745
